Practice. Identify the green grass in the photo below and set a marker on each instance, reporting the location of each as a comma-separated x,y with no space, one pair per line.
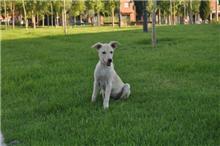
47,84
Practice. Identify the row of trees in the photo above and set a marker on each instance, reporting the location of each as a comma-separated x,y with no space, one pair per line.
177,11
57,12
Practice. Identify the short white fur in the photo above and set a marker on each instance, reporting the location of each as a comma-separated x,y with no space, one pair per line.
106,80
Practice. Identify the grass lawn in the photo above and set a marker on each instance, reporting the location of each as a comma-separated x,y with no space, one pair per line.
47,85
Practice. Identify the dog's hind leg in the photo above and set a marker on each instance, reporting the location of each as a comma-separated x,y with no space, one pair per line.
126,91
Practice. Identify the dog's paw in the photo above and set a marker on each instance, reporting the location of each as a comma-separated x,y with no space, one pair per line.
106,106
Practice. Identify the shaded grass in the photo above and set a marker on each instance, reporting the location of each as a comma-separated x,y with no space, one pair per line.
47,84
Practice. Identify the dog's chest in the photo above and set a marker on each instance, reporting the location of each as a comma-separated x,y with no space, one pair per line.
103,76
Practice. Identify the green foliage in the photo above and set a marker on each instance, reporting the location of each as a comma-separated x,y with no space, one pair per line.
149,6
204,9
77,8
90,4
31,7
109,5
195,6
164,6
43,7
57,5
99,5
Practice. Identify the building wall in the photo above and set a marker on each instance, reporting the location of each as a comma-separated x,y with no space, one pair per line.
213,5
127,8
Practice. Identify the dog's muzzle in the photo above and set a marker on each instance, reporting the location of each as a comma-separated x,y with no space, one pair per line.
109,62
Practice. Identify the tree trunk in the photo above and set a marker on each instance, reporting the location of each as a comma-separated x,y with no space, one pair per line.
171,13
48,20
119,15
187,16
174,15
33,19
43,20
169,20
113,17
190,12
184,13
159,17
37,21
13,14
51,7
80,18
25,15
98,15
5,9
153,25
216,10
74,19
166,19
57,19
64,16
145,23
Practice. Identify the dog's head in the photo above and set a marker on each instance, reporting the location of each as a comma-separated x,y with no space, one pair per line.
106,51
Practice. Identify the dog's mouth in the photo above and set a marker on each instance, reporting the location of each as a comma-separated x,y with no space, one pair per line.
108,64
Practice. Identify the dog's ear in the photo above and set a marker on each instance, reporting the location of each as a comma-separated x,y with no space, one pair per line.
114,44
97,45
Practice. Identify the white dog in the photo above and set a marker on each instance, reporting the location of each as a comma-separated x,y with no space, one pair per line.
106,79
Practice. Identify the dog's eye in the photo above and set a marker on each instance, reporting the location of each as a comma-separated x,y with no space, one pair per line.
103,52
111,52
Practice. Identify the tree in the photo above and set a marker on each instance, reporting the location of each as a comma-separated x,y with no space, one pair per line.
145,22
64,17
98,7
42,9
171,13
76,9
119,15
204,9
110,7
195,8
164,7
57,8
5,10
216,10
150,7
66,6
13,13
25,14
51,11
153,37
90,6
31,8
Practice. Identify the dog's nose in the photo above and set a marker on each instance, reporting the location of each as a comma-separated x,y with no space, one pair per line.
109,60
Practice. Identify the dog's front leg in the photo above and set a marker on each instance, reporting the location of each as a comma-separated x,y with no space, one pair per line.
107,95
95,91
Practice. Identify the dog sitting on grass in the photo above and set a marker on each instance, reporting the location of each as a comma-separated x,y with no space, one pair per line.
106,80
